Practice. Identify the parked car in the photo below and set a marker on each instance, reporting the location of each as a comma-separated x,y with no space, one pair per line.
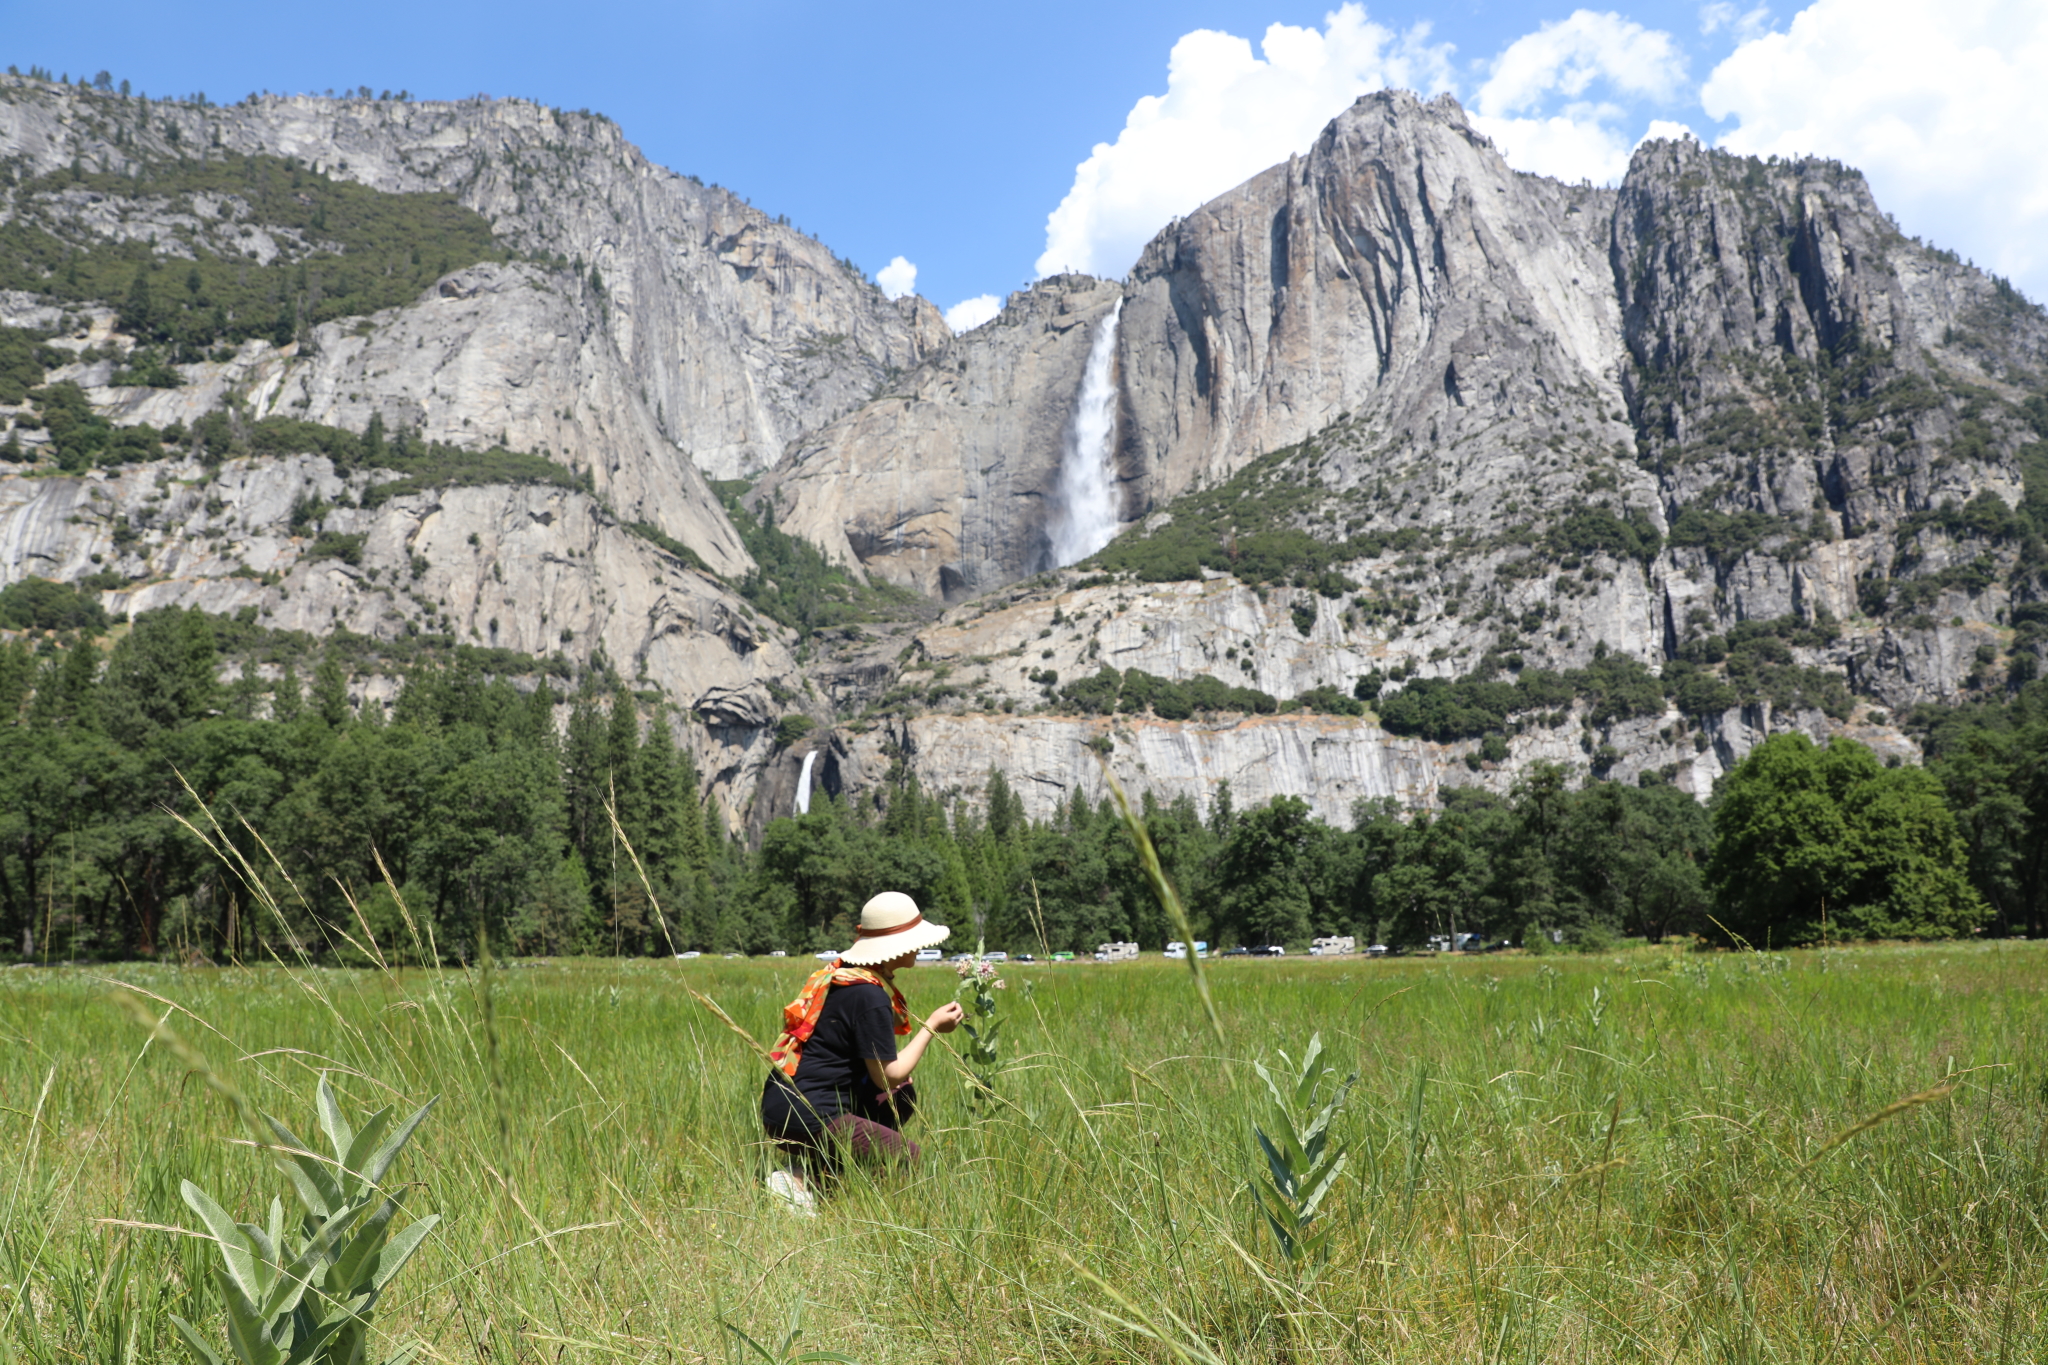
998,956
778,952
828,955
1376,950
1239,951
930,955
685,957
1062,957
1021,957
1269,950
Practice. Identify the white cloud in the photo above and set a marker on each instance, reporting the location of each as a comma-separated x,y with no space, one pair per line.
1566,57
969,314
897,278
1226,115
1743,24
1939,102
1668,130
1584,139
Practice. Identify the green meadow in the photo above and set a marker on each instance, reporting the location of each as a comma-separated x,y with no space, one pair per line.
1655,1155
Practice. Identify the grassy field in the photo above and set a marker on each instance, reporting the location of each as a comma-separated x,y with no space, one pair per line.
1618,1158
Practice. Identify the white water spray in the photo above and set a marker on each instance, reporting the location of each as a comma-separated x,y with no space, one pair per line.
1085,511
803,784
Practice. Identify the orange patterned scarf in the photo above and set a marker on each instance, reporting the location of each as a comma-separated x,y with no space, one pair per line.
800,1016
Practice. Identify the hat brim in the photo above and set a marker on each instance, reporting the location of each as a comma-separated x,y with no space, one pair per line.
869,952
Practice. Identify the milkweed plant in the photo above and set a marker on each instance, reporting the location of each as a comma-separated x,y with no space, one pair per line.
304,1295
1302,1165
979,982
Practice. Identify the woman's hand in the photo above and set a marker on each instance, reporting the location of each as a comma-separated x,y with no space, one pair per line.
944,1019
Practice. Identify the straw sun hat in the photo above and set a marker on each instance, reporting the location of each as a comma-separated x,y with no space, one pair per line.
890,926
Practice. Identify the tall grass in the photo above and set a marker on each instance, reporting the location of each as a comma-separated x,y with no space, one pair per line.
1652,1156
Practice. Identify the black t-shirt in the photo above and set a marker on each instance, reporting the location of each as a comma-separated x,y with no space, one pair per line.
857,1022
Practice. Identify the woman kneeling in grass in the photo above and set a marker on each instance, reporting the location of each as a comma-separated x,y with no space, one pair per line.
840,1087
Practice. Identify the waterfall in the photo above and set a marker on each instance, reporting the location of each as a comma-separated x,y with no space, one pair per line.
803,784
1084,503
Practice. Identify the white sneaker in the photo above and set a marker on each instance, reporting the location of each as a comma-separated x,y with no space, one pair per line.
785,1186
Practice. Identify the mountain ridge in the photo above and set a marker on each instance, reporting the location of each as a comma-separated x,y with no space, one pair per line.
1389,414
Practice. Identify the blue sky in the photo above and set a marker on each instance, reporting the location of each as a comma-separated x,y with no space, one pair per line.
946,134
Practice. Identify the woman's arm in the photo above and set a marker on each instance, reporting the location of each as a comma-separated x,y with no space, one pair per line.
888,1075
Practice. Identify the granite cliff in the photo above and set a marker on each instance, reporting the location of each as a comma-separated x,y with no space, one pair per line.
1428,470
944,486
1454,422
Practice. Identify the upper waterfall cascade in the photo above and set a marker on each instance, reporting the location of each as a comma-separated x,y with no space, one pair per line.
1085,500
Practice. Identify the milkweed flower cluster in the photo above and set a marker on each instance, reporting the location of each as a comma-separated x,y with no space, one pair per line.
978,969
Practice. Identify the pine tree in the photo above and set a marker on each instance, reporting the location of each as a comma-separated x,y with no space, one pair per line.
666,811
622,753
286,705
138,315
330,694
17,675
1005,807
67,694
584,773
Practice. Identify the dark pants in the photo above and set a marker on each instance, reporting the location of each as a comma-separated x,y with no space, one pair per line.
820,1132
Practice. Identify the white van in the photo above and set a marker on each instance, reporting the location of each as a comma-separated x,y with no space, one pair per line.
929,955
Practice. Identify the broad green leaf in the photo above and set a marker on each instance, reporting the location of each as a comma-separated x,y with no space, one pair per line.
294,1278
367,1138
248,1333
403,1244
308,1343
1312,1197
235,1249
380,1161
311,1177
195,1343
339,1135
355,1260
1283,1173
1305,1088
265,1255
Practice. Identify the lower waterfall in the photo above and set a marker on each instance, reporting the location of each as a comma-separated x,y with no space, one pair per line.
803,784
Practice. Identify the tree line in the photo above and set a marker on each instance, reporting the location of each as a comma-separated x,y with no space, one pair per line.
476,809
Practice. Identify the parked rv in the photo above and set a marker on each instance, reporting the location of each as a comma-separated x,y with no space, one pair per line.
1333,945
1178,949
1116,952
